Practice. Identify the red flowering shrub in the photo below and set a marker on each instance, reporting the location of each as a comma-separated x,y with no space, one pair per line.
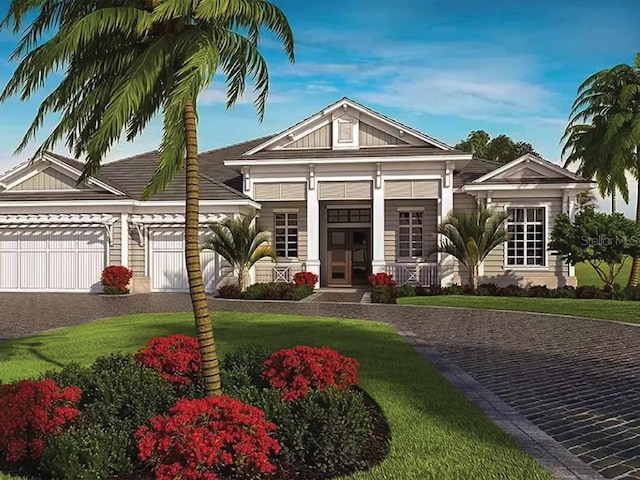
298,370
208,439
305,278
115,280
30,412
176,357
381,278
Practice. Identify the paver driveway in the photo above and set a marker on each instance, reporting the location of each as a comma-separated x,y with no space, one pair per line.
576,379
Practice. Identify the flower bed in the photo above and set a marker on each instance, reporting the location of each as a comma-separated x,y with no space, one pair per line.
294,413
267,291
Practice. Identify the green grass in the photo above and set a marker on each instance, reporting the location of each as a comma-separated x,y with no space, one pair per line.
588,276
622,311
436,432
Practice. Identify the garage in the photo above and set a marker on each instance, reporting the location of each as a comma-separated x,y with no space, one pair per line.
52,258
167,267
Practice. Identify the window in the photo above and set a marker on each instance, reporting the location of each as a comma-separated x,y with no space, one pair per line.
343,215
527,244
286,233
410,234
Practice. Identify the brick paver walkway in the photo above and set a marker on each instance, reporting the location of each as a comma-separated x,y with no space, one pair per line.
576,379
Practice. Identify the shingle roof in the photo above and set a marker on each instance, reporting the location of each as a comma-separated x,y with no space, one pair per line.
58,196
476,168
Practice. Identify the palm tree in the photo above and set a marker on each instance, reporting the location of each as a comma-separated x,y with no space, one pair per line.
471,236
241,242
609,101
124,62
583,143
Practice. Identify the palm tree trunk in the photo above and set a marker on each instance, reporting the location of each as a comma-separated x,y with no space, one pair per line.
473,277
635,266
209,367
614,201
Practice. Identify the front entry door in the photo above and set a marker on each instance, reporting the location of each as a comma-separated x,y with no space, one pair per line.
349,256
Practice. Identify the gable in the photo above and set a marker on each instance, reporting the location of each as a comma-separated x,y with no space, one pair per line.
47,179
374,137
347,125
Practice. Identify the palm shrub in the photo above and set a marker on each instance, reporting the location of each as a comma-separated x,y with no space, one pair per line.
471,236
241,242
119,63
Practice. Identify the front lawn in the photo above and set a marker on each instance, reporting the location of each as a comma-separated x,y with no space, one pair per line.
436,432
623,311
587,275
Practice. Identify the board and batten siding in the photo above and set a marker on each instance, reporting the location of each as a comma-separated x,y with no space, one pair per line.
391,221
266,220
49,179
373,137
319,138
555,274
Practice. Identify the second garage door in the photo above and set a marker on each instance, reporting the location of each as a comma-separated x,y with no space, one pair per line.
52,259
167,264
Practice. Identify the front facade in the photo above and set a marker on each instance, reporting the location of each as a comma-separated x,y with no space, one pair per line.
344,193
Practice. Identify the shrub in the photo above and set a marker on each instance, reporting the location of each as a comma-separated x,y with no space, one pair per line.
120,393
381,278
539,291
587,292
249,359
298,370
175,357
32,412
384,294
305,278
564,292
407,291
231,290
487,289
277,291
324,431
512,291
202,438
453,290
88,453
115,280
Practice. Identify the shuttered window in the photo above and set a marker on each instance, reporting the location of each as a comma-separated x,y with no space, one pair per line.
286,234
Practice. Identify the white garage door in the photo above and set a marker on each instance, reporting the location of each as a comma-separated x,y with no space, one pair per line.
52,259
167,264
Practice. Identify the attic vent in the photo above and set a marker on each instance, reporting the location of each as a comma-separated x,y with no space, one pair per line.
345,191
412,189
279,191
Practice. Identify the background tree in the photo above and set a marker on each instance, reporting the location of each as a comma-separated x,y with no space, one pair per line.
609,102
471,236
124,62
500,149
603,240
241,242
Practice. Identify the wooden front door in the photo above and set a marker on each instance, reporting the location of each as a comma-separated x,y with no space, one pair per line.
349,258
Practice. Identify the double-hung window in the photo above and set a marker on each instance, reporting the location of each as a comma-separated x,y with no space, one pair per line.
286,234
526,246
410,234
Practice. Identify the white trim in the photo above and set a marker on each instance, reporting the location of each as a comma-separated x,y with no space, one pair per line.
280,180
124,239
159,220
525,186
91,180
348,206
123,202
304,133
348,225
412,177
342,178
410,209
546,267
305,161
23,179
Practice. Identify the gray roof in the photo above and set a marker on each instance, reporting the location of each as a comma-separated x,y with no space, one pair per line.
400,151
476,168
58,196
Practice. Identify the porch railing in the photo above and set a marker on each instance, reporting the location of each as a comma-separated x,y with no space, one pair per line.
282,272
423,274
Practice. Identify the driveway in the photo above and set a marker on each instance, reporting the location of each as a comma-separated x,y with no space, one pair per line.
576,379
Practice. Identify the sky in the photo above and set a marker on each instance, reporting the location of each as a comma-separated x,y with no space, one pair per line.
444,67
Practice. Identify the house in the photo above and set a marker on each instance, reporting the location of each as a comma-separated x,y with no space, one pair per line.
345,192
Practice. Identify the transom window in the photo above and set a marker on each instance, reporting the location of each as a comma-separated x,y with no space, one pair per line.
410,234
286,233
352,215
526,246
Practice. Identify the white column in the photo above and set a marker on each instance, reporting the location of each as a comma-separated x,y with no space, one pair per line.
571,211
447,262
313,231
124,239
378,263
